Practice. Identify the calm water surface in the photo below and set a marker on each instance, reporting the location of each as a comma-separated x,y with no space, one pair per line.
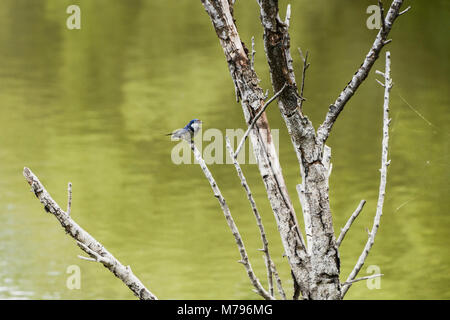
91,107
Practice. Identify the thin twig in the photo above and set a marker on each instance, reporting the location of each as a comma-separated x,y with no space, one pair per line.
404,11
94,255
85,241
231,224
362,278
380,83
87,259
271,269
349,222
305,66
278,281
256,119
287,20
383,173
69,198
269,273
252,62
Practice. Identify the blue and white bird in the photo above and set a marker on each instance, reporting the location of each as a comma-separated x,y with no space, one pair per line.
188,132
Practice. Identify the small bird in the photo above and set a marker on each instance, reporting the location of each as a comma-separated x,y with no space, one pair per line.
188,132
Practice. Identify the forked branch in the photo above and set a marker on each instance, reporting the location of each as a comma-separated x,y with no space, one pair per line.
247,82
361,74
255,119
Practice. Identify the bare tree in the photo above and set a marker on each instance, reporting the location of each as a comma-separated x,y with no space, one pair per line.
315,266
314,263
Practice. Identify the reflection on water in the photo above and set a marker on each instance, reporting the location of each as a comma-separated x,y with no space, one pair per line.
91,107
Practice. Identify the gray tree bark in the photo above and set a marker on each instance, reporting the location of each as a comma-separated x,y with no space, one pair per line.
85,241
324,257
315,266
252,99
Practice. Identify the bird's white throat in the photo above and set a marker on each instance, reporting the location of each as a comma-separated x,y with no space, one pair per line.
196,126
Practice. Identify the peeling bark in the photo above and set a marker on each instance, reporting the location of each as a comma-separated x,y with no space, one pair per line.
315,266
252,100
324,257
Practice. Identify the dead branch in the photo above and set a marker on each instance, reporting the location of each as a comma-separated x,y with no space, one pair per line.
404,11
86,242
69,198
361,74
323,254
363,278
305,67
350,222
252,100
252,124
237,237
383,172
271,269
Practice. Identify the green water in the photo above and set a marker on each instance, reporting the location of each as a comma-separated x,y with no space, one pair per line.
90,106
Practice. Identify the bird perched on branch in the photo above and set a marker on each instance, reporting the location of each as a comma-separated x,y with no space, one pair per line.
188,132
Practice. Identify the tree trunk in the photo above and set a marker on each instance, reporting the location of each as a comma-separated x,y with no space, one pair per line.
252,99
324,276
